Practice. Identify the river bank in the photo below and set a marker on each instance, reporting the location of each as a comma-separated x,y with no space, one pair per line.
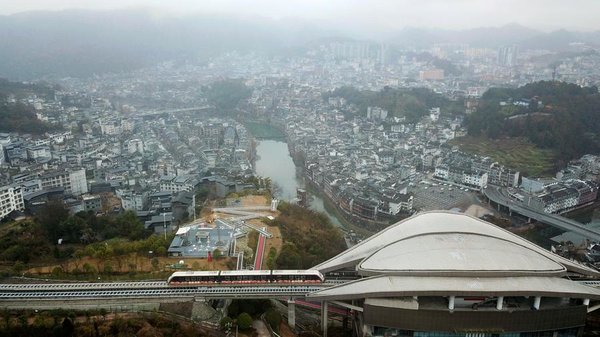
273,160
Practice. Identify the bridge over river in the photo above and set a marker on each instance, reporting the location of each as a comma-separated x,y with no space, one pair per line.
499,196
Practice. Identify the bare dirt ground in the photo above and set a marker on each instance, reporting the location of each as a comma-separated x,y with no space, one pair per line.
477,211
134,263
276,241
285,331
254,200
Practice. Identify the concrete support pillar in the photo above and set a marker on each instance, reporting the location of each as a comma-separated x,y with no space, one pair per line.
367,331
536,302
451,302
498,207
499,302
291,306
510,212
586,301
324,317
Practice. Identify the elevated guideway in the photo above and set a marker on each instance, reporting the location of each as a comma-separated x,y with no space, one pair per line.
59,294
145,295
153,289
495,194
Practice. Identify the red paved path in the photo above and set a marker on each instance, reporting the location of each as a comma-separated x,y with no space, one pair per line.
260,252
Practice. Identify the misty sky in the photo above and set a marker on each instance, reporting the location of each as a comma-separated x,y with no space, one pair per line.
369,15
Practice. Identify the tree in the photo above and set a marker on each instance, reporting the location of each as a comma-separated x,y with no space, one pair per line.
88,268
289,257
271,264
130,226
244,321
18,267
57,271
225,95
226,323
68,328
234,308
155,263
161,251
108,268
273,317
51,216
21,118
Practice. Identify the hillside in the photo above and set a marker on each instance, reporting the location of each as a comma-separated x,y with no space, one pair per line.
21,118
309,237
552,115
409,103
18,117
23,89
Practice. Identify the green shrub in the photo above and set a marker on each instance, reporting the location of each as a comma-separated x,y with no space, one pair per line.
244,321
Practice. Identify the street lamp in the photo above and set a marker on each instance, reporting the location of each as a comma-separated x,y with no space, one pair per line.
165,224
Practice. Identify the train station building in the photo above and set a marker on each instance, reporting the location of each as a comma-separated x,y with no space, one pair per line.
200,240
447,274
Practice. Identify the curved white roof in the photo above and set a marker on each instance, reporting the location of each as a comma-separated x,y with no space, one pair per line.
442,223
399,286
458,254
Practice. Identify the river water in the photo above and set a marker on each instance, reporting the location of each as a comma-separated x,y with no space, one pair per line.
274,161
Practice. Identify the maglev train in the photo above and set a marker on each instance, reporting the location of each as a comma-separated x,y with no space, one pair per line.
243,277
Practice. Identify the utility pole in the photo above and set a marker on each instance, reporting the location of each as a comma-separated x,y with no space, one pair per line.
194,205
165,224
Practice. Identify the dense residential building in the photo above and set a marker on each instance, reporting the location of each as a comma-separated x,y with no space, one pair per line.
11,199
92,203
558,197
178,183
74,181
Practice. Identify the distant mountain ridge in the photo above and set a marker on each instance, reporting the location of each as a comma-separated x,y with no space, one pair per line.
493,37
482,37
81,43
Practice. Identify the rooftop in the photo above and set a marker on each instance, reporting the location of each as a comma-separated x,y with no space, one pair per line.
458,254
454,243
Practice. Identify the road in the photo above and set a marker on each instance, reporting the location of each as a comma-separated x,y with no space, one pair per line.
245,214
173,111
314,305
261,328
496,195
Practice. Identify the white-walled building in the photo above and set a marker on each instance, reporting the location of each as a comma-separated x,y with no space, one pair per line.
11,199
74,182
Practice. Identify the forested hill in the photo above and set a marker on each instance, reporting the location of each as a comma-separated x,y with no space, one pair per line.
555,115
411,103
21,89
20,117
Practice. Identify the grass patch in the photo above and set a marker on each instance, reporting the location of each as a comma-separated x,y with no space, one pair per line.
516,153
263,131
